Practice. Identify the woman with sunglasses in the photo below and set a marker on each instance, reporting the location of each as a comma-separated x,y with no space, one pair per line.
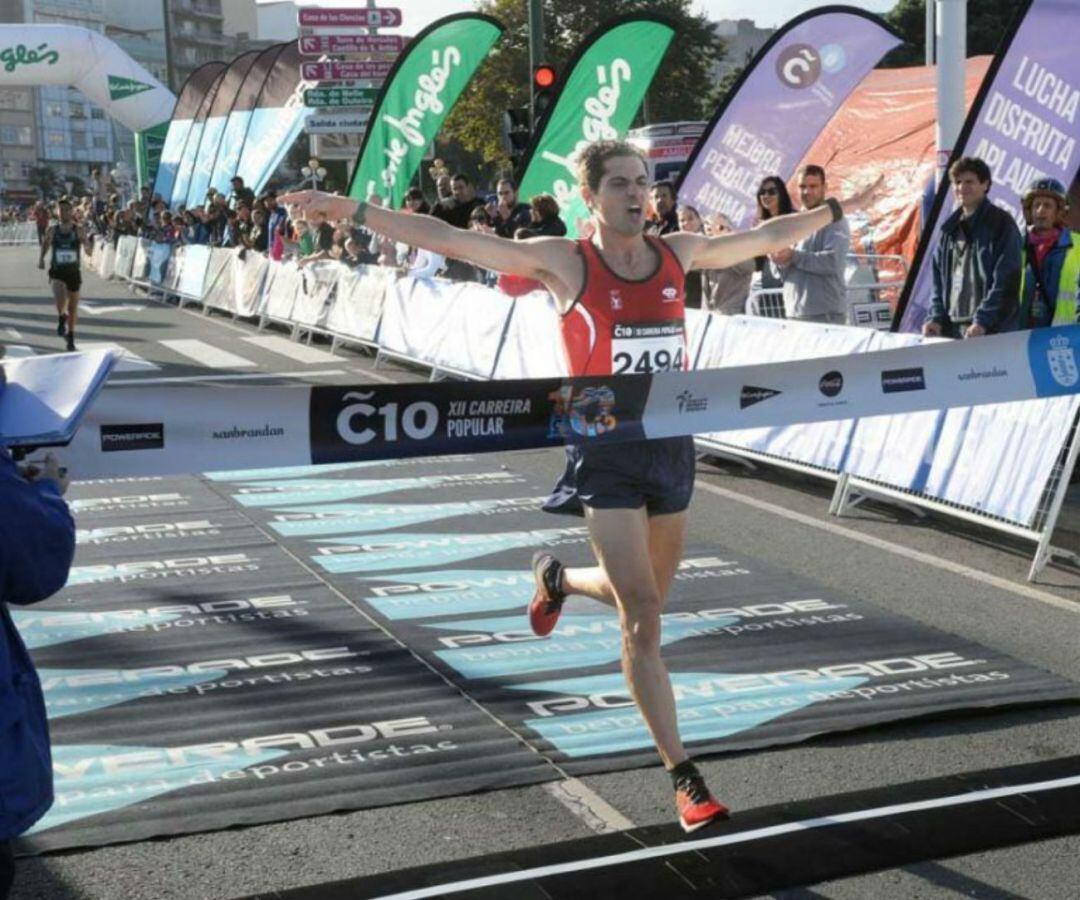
773,200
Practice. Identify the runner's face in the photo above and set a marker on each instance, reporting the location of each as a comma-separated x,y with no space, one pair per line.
619,203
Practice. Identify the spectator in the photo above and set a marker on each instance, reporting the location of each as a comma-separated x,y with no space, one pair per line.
275,212
415,202
459,214
813,270
666,218
772,200
37,543
544,218
259,236
444,191
976,270
1048,280
245,223
508,214
690,221
240,193
303,238
166,232
725,291
322,238
41,220
229,235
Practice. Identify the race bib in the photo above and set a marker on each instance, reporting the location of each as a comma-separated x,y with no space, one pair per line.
67,257
644,347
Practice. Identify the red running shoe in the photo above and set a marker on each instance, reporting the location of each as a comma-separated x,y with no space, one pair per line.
697,807
547,602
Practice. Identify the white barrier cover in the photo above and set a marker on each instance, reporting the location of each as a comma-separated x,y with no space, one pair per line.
533,348
748,340
697,326
140,263
358,306
104,257
125,255
447,325
282,287
18,233
218,288
249,272
159,262
192,274
312,300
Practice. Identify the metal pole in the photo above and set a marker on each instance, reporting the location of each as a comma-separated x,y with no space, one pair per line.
536,51
931,24
951,52
167,27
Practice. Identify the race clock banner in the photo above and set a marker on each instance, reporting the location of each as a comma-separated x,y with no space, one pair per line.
418,94
186,429
605,84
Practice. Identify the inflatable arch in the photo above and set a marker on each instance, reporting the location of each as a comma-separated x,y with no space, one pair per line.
37,55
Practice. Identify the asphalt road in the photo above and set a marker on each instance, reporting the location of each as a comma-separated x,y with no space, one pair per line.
956,578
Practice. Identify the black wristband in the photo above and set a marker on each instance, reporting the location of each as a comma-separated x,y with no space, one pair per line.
834,206
361,213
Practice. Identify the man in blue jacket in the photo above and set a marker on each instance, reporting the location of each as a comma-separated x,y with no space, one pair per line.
1051,258
977,262
37,543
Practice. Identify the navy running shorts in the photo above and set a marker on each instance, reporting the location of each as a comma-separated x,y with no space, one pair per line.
656,474
72,277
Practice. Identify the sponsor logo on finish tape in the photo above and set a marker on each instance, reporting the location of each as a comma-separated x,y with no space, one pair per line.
149,436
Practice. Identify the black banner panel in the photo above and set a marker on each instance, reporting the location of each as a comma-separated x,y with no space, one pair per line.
227,651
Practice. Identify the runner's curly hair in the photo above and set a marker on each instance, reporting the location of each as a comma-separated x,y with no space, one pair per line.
591,160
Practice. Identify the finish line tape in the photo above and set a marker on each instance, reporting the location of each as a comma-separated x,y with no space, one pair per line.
161,430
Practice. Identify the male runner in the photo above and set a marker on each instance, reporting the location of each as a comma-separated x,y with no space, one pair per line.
620,297
64,240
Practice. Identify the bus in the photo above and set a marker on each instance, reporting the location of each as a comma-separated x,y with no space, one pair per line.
667,146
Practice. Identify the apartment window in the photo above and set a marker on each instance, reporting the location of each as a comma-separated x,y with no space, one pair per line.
96,113
78,110
54,138
14,99
54,109
16,134
78,140
101,141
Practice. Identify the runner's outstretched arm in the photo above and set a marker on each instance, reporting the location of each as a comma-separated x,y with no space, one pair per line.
534,258
696,251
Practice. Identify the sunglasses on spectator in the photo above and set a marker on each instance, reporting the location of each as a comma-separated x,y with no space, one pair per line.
768,192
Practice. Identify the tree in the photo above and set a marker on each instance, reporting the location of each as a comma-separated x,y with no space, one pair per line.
986,26
503,80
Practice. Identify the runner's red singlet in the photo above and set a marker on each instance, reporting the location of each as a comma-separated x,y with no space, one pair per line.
617,326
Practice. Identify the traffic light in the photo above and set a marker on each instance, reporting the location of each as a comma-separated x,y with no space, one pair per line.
516,132
543,90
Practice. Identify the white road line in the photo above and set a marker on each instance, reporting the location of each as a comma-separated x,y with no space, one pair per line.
184,379
304,353
207,354
726,840
917,555
12,333
594,811
16,351
128,362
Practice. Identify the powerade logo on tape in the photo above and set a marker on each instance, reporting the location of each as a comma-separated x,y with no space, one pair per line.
69,692
417,550
289,492
360,517
894,381
158,569
751,395
450,592
43,629
595,715
1052,356
132,437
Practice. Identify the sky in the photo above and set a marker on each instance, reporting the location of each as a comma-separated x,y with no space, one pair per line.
766,13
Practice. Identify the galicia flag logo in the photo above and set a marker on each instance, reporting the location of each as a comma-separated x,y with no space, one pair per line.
751,395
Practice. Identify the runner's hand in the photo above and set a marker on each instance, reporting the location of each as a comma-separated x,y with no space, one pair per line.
48,468
334,206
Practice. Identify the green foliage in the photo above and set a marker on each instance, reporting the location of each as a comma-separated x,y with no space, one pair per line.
682,88
987,22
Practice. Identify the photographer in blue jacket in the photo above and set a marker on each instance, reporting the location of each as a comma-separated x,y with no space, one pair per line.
37,543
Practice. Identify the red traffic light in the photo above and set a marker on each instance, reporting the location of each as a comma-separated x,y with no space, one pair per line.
544,76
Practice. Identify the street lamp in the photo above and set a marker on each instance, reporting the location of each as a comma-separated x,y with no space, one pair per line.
315,171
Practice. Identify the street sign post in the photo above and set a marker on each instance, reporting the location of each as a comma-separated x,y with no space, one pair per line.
362,17
338,122
317,45
345,70
340,96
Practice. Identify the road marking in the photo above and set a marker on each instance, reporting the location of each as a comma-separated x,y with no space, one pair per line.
598,815
917,555
304,353
185,379
13,333
207,354
726,840
99,309
127,362
16,351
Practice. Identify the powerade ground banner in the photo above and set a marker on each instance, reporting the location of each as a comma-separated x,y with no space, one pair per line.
203,668
785,97
239,120
277,120
416,98
597,100
1023,124
214,129
194,137
188,103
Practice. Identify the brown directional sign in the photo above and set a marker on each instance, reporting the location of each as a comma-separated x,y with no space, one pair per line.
344,70
340,96
318,44
362,17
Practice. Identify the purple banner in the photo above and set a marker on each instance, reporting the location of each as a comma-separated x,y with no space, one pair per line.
785,97
1023,124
